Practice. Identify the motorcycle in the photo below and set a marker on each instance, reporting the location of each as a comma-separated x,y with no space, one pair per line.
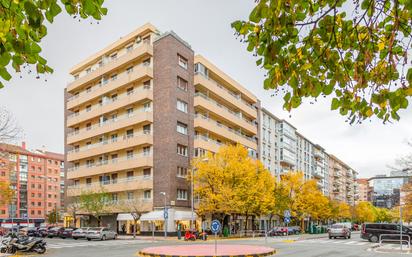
23,244
190,235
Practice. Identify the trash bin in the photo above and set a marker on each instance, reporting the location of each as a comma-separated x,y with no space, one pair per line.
225,231
179,231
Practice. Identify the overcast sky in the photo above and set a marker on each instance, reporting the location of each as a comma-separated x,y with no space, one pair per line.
38,104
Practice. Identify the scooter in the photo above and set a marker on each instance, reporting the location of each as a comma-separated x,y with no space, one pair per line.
189,235
26,245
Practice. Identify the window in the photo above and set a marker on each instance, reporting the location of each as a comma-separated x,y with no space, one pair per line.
129,70
146,62
129,175
113,56
114,158
147,194
114,178
146,129
181,128
146,173
147,107
113,77
146,84
114,97
88,126
33,195
129,112
181,106
88,70
39,212
114,197
49,195
76,148
129,133
146,40
200,68
39,186
130,195
88,89
88,108
199,152
181,84
76,77
182,150
129,154
181,194
181,172
33,186
32,212
39,195
38,203
129,48
129,91
146,151
88,181
114,138
182,61
89,163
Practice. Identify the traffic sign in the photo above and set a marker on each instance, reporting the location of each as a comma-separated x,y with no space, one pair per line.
165,214
215,226
286,220
286,213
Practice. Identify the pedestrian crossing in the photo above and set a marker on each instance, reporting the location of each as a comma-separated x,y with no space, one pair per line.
334,242
68,244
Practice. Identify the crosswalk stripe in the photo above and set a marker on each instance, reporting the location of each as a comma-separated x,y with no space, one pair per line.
350,242
362,243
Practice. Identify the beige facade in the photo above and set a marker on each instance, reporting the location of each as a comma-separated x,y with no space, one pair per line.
342,181
363,190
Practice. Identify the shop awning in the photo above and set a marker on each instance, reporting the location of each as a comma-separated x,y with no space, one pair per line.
152,216
184,215
124,217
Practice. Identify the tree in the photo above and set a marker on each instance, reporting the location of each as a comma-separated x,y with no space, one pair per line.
136,208
7,193
94,203
73,206
383,215
231,182
53,217
9,130
364,211
311,48
22,28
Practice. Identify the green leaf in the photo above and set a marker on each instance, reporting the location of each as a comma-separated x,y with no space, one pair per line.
293,81
259,62
55,9
5,59
335,104
409,76
5,74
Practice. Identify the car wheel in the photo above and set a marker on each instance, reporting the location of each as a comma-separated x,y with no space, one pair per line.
330,237
115,237
75,238
374,239
349,237
103,238
88,239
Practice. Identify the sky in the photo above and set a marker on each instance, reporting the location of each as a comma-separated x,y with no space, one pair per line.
37,104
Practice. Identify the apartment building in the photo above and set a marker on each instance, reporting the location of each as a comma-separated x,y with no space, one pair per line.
342,181
363,190
283,149
138,111
36,177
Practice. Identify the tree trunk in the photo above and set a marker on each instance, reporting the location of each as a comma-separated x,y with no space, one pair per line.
246,223
134,229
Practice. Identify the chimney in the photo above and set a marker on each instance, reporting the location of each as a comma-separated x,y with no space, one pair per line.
23,145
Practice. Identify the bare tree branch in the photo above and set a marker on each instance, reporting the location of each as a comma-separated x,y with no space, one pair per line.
9,130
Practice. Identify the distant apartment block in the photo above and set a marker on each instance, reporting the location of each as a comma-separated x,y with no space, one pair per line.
38,180
137,113
364,191
342,181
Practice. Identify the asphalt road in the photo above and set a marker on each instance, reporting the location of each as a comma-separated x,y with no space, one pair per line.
323,247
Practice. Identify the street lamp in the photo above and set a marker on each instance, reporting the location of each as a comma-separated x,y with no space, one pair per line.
192,193
164,214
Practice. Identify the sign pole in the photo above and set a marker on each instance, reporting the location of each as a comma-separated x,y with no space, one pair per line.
400,220
215,243
215,227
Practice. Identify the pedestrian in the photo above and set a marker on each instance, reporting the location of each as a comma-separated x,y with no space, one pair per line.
124,229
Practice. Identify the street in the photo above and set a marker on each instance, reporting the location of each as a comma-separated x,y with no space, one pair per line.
319,247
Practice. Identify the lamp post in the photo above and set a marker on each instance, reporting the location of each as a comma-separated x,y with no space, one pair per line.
165,215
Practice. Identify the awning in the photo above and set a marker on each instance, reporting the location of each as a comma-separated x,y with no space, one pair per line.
124,217
184,215
152,216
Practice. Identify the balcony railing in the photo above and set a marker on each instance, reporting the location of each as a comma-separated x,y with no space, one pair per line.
108,142
238,115
108,122
225,127
110,182
235,96
207,139
104,82
111,100
112,161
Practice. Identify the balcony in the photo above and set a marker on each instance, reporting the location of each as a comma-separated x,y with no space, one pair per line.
220,129
225,113
110,105
137,161
287,161
207,144
317,174
144,49
140,72
110,146
125,205
227,95
124,184
110,125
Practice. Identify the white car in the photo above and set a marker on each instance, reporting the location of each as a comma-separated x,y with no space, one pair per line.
79,233
100,233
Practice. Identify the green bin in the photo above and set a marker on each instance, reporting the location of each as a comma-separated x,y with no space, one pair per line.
225,231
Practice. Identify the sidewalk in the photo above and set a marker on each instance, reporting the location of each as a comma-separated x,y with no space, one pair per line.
392,248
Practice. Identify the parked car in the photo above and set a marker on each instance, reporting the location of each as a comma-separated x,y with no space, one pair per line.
278,231
33,232
100,233
346,224
339,230
54,232
43,231
372,231
79,233
66,233
294,230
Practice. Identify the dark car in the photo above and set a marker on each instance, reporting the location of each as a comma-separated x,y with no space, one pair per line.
43,232
278,231
33,232
66,233
54,232
372,231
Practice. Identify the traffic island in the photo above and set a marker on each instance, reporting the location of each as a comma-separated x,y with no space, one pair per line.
207,250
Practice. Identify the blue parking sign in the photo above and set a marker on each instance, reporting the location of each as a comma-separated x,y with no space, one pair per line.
286,220
215,226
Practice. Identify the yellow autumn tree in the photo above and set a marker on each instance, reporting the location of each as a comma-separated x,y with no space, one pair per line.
340,210
364,212
231,182
6,194
407,207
